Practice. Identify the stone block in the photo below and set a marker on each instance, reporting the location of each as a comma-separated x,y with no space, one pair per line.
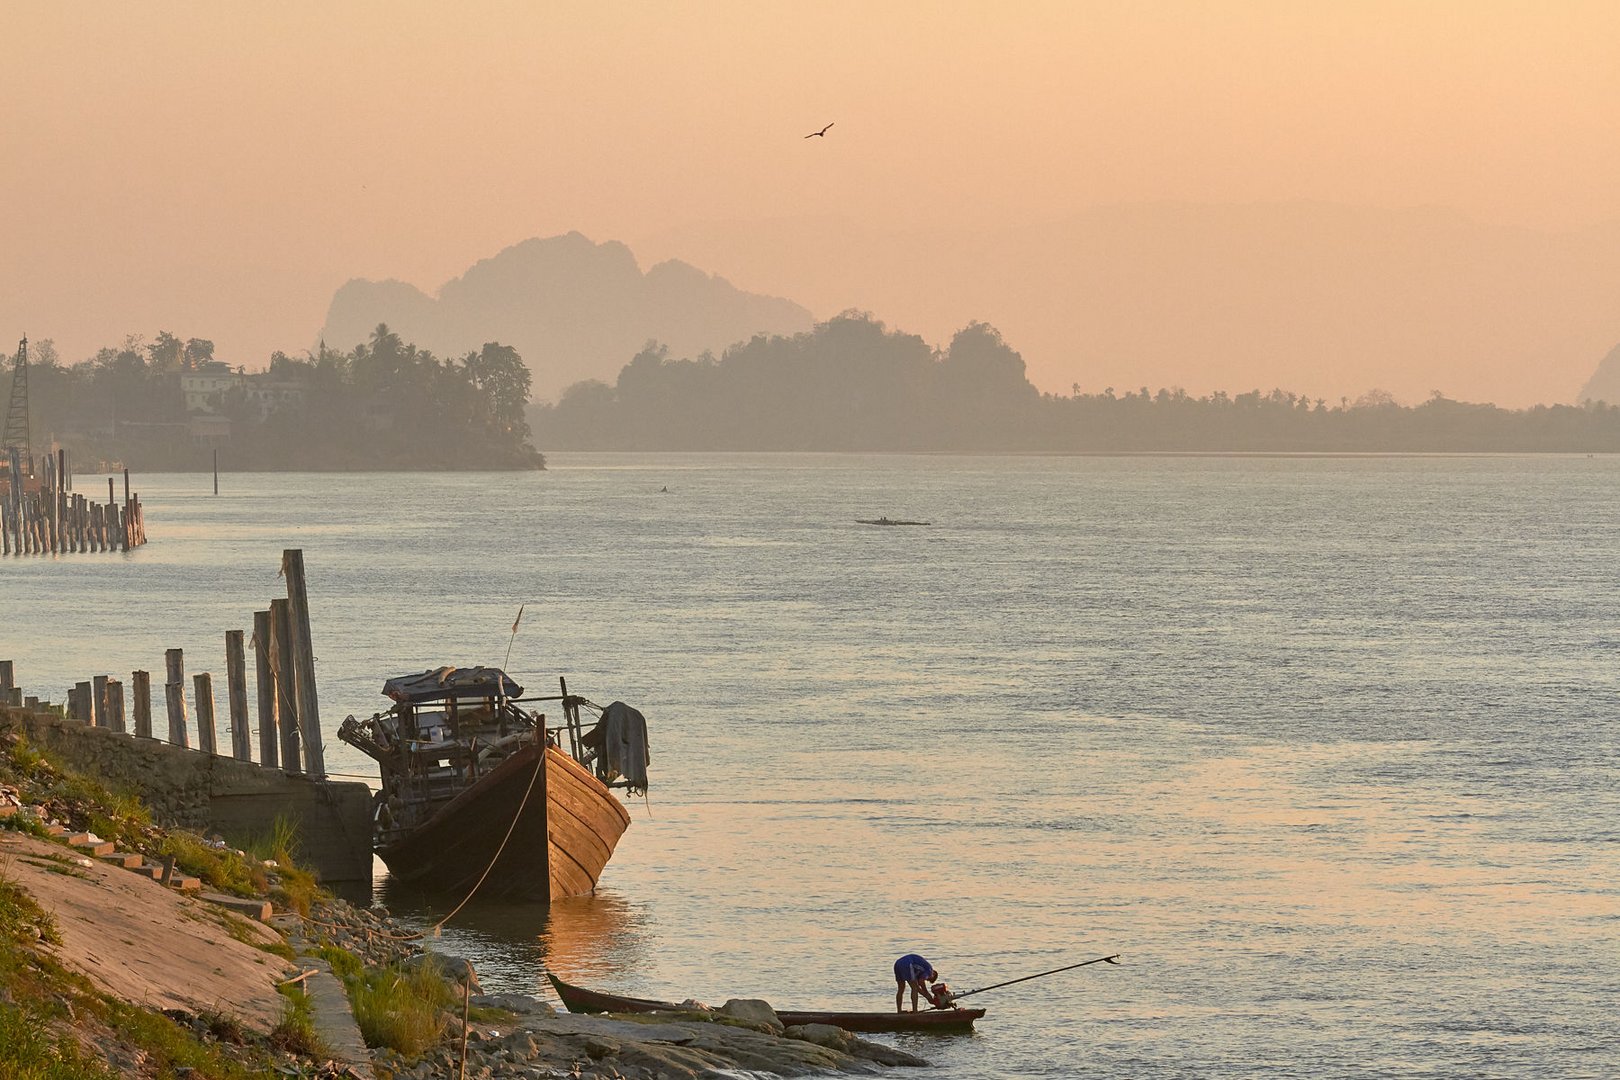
258,910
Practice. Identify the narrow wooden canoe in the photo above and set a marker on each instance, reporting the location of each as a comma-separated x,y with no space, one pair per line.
580,1000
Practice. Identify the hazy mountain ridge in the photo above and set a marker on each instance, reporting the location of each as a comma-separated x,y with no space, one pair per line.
1604,385
1325,298
573,308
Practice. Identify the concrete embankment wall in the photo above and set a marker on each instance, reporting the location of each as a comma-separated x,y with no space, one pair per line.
208,793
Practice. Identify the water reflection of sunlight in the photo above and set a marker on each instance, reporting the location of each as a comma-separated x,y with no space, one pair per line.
513,943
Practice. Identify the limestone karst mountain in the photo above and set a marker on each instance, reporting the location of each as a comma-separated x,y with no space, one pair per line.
573,308
1604,385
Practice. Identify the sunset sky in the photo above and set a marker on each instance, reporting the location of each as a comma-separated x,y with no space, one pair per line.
219,169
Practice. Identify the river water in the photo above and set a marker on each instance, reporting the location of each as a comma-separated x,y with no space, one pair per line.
1325,747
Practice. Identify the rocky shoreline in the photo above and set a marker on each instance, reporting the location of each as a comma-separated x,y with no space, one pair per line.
646,1046
516,1035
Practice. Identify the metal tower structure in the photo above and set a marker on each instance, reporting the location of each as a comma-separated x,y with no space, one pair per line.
16,432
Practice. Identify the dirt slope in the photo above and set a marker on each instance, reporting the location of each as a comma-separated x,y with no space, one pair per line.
145,943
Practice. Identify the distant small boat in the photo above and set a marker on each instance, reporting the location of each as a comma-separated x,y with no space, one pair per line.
888,521
580,1000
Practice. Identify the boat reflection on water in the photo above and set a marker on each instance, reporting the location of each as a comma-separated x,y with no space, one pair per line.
511,943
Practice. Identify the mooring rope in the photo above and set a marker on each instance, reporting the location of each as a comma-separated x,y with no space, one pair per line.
540,764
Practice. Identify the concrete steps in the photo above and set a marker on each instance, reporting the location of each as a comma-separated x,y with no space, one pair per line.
107,852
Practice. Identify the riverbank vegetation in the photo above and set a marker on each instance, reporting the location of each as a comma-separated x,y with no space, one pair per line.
168,404
852,384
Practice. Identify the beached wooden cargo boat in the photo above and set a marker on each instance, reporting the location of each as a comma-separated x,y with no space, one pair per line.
479,791
580,1000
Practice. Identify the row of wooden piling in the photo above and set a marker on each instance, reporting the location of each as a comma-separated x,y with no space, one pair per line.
56,521
289,722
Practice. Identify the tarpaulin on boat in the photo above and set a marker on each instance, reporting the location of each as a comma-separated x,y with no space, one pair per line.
619,742
456,682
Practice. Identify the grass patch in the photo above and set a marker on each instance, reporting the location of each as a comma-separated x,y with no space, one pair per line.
295,1031
345,965
20,916
291,886
29,1051
169,1047
220,868
400,1010
277,948
23,822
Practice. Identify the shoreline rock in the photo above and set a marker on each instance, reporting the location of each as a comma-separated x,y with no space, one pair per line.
647,1046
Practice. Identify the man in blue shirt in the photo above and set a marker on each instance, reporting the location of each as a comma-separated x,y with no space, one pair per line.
913,971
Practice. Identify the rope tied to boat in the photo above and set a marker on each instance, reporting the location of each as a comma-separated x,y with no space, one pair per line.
540,763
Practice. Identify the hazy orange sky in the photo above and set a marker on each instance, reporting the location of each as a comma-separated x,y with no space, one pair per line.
219,169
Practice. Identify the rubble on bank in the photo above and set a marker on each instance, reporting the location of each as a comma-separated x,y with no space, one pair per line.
694,1045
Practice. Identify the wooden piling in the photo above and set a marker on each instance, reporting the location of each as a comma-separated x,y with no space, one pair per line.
98,701
236,693
265,682
286,696
206,733
8,676
174,694
79,707
303,655
141,689
115,706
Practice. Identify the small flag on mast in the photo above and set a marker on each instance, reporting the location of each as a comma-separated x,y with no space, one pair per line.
519,618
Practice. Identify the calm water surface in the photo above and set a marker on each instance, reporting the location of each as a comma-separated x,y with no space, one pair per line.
1325,747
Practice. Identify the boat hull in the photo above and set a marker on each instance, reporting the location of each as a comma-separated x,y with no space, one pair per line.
521,831
578,999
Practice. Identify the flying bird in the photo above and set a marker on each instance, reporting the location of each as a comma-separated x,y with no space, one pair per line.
822,133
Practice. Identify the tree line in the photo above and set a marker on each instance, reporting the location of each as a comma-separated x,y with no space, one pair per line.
852,384
385,404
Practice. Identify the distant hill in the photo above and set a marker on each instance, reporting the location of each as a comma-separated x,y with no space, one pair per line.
1324,299
574,309
1604,385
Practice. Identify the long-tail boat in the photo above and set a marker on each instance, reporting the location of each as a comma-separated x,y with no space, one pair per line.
580,1000
478,793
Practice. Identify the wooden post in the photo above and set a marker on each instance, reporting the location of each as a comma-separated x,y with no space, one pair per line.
98,701
265,681
303,656
236,692
7,674
174,694
216,470
61,495
286,698
129,534
115,706
205,711
79,707
141,688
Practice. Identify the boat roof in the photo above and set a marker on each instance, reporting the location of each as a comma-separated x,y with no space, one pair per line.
452,682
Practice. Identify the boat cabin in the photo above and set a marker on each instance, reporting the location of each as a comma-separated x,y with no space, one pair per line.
451,727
